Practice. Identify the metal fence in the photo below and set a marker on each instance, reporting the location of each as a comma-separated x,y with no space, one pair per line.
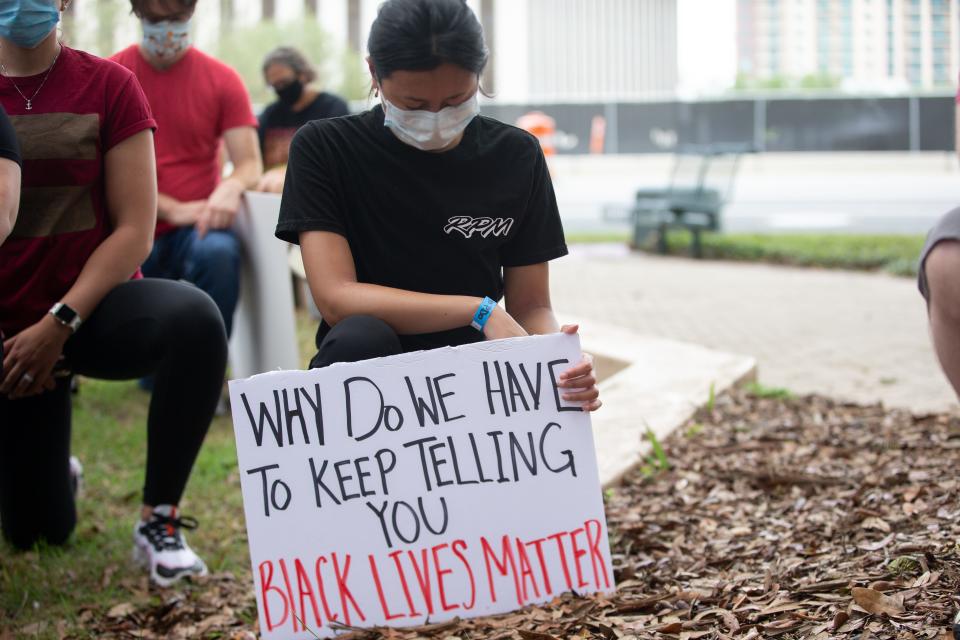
917,123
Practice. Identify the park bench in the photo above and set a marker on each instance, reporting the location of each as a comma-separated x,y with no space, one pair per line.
701,183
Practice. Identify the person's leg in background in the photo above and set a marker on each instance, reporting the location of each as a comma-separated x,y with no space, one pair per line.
357,338
36,496
213,264
939,282
174,331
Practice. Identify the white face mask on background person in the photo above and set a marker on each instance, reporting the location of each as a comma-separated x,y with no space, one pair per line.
166,39
426,130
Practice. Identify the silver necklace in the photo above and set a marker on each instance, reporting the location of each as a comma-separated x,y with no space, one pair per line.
29,100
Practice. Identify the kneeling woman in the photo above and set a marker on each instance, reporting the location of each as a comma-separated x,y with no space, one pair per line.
72,301
411,214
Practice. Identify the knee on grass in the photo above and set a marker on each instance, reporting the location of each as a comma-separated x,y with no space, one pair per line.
25,538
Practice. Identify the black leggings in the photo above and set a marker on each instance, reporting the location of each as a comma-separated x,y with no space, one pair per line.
357,338
161,327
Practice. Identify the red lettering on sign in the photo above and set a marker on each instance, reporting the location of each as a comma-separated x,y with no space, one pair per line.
304,589
403,582
558,538
505,566
440,573
286,581
344,590
266,587
596,557
526,571
473,585
323,593
383,600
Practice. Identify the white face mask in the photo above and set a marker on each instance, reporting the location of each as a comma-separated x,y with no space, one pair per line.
426,130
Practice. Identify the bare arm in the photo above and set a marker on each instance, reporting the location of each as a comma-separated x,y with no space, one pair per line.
328,262
131,189
527,294
9,196
243,147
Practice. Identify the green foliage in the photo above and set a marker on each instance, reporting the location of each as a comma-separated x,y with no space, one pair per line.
693,430
711,397
812,81
897,254
758,390
819,81
657,461
903,565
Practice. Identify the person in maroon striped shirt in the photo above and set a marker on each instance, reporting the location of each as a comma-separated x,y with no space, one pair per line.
72,300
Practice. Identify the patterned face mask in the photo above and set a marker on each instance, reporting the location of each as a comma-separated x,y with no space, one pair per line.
165,39
426,130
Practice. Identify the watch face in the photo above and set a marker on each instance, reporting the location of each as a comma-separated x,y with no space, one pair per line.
65,314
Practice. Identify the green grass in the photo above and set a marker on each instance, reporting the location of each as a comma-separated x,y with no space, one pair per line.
591,237
758,390
896,254
94,571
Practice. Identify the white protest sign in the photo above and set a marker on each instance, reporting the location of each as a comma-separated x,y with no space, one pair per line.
424,486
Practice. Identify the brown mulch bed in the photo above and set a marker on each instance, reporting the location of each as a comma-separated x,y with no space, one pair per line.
797,518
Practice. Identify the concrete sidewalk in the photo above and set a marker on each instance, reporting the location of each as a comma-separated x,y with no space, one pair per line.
856,336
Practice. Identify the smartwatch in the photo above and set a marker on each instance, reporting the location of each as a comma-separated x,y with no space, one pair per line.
66,316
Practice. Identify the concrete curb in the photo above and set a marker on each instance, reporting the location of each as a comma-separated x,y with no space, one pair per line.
658,383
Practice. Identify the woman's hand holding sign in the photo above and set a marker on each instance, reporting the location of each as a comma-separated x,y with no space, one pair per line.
502,325
580,380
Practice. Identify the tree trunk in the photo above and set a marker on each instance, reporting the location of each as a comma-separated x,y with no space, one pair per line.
268,9
311,7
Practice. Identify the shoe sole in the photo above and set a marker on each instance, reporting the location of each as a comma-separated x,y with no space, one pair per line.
141,557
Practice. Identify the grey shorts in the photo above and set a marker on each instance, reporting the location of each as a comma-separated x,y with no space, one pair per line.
947,228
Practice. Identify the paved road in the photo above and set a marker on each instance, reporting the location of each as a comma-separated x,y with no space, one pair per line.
856,336
867,193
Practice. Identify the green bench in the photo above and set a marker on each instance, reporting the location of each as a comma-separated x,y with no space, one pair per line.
701,182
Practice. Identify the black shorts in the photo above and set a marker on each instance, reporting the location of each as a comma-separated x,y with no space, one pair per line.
947,228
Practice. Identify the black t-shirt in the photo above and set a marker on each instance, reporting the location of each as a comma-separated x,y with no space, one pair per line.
442,223
279,123
9,148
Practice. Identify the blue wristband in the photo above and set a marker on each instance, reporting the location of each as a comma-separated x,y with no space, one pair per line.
484,311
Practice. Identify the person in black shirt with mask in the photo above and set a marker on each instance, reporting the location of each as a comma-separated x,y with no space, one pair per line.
415,217
290,74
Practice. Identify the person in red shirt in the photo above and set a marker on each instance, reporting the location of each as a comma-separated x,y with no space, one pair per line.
72,300
199,103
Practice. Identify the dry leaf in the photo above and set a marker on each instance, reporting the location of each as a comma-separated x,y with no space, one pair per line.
873,601
876,523
121,610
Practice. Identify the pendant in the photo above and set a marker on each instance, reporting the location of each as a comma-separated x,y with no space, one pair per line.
29,105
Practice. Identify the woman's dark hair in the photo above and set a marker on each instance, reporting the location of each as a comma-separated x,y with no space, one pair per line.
290,57
421,35
183,5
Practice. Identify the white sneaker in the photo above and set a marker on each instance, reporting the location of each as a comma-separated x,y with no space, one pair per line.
159,545
76,476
